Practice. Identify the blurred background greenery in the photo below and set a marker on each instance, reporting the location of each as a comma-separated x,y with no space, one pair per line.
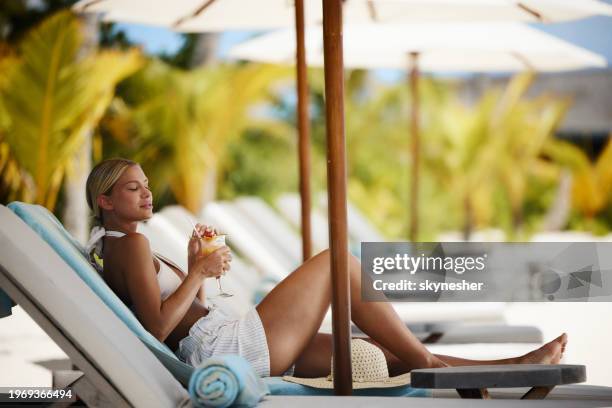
74,92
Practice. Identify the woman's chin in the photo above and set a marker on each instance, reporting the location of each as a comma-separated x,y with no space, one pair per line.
147,214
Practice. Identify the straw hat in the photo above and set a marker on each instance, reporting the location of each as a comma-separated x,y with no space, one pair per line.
369,370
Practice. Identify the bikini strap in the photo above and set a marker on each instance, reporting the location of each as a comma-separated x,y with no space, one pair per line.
115,234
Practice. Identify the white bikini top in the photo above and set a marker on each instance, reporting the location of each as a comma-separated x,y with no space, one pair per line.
168,280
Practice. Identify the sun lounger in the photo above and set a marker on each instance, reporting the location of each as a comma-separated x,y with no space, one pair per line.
242,240
69,277
55,284
270,224
111,358
275,244
289,206
360,228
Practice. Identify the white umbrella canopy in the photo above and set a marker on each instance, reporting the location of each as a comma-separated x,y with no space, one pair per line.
442,47
223,15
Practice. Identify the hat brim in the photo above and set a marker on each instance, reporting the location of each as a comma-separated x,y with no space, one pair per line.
323,382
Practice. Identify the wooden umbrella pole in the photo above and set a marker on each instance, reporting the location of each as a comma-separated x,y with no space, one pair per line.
303,129
336,192
415,147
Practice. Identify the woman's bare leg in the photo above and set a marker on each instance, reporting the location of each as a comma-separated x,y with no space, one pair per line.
293,311
315,360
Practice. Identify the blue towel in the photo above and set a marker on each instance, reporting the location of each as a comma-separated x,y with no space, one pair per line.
226,380
6,304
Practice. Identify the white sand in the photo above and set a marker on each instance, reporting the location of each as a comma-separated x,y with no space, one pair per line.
589,330
22,343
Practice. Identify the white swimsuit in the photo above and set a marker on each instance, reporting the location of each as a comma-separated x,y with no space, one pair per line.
168,280
218,332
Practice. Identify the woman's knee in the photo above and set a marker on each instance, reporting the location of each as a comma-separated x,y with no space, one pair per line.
354,264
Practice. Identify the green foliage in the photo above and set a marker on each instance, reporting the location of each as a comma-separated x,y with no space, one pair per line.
258,163
50,97
592,182
178,123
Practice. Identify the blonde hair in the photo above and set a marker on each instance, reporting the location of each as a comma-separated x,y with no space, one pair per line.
101,180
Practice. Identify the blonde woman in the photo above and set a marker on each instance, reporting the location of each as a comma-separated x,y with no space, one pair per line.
279,335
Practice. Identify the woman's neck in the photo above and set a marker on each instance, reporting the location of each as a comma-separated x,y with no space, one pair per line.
122,226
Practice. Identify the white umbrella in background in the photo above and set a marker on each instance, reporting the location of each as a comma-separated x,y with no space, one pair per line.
223,15
430,47
443,47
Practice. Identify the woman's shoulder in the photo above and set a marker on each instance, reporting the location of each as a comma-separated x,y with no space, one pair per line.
129,253
134,238
133,243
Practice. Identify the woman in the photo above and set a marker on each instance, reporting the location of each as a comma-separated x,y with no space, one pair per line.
280,334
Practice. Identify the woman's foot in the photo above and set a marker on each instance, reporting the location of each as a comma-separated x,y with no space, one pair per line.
550,353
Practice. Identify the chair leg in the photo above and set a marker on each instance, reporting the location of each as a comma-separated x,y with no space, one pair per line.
473,393
81,387
61,379
538,392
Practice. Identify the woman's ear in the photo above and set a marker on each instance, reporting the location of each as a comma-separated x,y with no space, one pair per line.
104,202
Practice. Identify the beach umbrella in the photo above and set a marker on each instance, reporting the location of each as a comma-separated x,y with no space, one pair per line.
430,47
223,15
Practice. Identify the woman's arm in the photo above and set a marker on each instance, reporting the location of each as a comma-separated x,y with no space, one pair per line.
158,317
202,294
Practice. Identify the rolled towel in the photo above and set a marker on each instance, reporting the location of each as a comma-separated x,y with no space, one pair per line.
226,380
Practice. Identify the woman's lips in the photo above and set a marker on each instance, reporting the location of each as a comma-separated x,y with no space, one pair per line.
148,206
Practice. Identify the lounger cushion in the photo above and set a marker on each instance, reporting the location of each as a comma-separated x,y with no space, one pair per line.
280,387
51,230
46,225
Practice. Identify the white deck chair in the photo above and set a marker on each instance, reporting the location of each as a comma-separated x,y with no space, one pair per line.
242,240
117,369
289,206
271,244
360,228
272,225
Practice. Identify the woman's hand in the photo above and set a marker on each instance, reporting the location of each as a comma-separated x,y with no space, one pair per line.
211,264
214,264
194,247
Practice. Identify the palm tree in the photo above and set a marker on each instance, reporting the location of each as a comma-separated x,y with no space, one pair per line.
178,123
495,148
525,127
50,97
591,181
